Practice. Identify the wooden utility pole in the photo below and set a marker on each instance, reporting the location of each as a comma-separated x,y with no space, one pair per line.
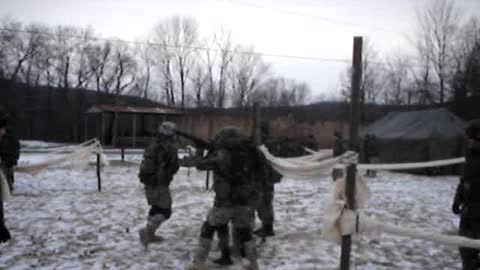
353,144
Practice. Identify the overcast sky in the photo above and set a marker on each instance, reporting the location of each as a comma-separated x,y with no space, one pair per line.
307,28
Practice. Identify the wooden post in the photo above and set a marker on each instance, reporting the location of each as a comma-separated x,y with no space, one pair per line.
134,130
353,145
99,177
210,130
123,153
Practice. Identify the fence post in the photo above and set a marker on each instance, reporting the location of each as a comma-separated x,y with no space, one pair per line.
353,145
99,176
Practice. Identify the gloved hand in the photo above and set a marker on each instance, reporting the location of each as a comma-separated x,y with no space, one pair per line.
456,209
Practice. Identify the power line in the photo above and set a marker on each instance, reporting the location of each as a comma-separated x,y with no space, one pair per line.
198,48
327,5
322,18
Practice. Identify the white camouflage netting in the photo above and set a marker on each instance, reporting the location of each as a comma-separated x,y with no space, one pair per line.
340,221
77,156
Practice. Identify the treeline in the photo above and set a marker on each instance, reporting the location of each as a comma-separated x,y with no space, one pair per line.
445,66
174,65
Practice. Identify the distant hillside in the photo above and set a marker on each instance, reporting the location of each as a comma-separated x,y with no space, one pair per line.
54,114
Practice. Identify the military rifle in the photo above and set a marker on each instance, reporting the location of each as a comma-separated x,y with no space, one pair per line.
198,142
201,145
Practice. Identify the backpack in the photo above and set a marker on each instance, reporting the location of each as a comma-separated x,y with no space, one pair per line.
148,170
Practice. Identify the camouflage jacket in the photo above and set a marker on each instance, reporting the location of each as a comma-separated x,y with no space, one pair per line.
9,149
159,164
267,177
233,180
469,186
339,147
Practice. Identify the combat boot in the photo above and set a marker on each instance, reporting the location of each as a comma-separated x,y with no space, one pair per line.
253,266
265,231
197,265
225,259
147,236
201,255
4,234
268,230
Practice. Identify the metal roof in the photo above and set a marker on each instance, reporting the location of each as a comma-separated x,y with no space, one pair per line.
134,110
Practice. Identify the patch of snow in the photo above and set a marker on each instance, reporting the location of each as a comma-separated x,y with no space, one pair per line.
60,221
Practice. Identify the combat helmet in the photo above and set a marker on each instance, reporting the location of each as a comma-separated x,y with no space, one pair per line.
229,136
167,129
473,129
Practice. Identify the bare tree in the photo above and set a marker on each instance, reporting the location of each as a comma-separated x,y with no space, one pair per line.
248,72
123,74
211,93
177,37
398,81
218,62
37,37
145,66
223,42
465,55
99,57
24,47
269,94
123,69
83,72
199,81
65,42
185,37
164,56
424,87
438,25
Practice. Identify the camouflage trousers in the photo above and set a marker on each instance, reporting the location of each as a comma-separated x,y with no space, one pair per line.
4,233
264,207
158,196
160,200
10,176
240,216
470,228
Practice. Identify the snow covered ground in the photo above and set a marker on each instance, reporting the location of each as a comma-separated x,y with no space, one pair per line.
59,221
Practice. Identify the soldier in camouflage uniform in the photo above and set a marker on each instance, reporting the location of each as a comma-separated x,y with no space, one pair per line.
4,233
268,177
9,154
370,152
232,165
467,200
160,163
